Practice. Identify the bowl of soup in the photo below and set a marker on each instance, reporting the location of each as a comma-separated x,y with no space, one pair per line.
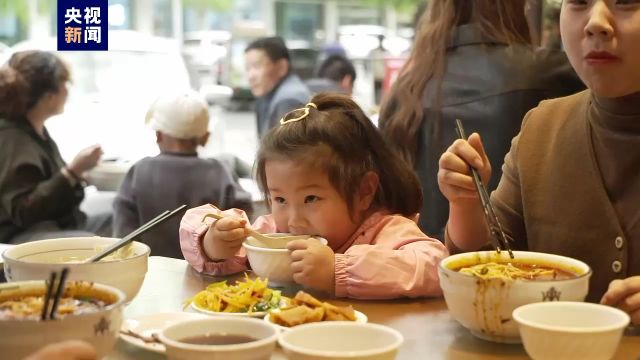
229,338
125,269
483,288
570,330
86,311
271,262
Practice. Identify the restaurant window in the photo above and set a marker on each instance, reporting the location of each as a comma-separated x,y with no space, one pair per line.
162,18
300,22
120,14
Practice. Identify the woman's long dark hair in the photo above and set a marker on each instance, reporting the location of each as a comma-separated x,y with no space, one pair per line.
402,114
26,78
338,138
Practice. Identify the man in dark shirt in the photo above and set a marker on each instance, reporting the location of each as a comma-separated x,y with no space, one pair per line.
268,68
336,74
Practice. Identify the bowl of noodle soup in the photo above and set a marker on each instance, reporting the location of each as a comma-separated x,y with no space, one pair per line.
125,269
87,311
483,288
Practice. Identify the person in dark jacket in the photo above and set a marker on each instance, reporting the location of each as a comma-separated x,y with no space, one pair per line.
335,74
278,89
177,176
39,193
475,63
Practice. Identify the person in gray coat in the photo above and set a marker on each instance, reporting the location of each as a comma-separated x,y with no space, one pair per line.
277,88
176,176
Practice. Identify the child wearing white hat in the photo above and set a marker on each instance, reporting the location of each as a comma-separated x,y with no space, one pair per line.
176,176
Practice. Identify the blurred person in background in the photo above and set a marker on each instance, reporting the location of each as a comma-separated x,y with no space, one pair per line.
377,56
474,61
278,89
336,74
39,193
177,176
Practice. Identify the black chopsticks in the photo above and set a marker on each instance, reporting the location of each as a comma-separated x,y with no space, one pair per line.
139,231
54,291
498,237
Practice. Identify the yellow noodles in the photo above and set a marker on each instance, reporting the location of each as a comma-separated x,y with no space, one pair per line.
245,296
506,271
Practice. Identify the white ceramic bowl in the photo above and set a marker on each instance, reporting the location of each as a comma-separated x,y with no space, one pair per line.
341,340
570,330
265,335
485,306
107,176
274,264
35,260
22,337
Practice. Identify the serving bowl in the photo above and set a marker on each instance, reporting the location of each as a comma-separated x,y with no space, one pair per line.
35,260
340,340
21,337
228,331
570,330
273,263
484,306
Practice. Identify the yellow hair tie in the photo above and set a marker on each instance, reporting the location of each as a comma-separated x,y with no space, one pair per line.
306,113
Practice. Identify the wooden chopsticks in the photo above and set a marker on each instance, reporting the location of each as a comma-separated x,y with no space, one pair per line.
54,291
497,235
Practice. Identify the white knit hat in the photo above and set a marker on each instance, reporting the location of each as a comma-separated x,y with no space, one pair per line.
183,115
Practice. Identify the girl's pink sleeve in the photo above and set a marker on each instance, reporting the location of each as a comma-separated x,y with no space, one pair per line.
192,231
400,261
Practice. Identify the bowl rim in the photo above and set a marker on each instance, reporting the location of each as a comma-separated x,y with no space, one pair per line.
220,348
398,339
6,253
264,249
450,272
121,297
622,321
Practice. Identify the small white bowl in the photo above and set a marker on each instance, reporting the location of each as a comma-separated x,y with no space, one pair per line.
265,335
341,340
273,264
37,259
100,328
485,306
570,330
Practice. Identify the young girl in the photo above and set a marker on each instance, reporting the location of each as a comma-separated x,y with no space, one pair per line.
571,181
326,171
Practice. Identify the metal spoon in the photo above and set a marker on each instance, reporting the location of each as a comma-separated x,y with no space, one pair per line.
268,241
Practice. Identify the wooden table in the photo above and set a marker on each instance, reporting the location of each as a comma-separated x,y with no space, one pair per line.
428,329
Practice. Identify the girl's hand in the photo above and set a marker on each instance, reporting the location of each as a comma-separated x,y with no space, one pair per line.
313,264
454,177
224,238
65,350
625,295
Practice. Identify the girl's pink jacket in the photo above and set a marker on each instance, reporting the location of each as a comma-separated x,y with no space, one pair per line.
387,257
